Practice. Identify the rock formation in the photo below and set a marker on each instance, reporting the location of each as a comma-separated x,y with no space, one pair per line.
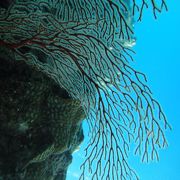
40,124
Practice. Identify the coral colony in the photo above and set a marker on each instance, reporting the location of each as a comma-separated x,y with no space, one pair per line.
86,47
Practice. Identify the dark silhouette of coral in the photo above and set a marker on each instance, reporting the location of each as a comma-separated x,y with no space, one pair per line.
85,46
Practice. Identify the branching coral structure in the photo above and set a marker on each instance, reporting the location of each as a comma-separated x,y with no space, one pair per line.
85,46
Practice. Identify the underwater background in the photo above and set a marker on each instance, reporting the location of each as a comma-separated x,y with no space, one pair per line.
158,56
30,33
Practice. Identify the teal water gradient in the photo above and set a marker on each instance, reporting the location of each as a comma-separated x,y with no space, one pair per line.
158,56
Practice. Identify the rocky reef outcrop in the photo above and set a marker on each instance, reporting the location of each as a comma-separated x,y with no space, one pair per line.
40,124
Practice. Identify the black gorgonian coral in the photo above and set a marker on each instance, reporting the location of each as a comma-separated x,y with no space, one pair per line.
85,46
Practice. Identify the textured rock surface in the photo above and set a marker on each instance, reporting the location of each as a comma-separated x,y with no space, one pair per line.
40,124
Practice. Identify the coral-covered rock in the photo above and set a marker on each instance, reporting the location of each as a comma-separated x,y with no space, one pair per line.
40,124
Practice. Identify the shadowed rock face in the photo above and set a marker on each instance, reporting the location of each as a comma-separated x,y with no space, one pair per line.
40,124
5,3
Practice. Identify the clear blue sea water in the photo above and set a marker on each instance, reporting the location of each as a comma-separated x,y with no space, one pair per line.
158,56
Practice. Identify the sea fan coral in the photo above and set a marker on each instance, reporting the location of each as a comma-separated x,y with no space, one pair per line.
85,46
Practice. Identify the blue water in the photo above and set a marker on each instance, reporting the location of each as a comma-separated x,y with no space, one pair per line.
158,56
